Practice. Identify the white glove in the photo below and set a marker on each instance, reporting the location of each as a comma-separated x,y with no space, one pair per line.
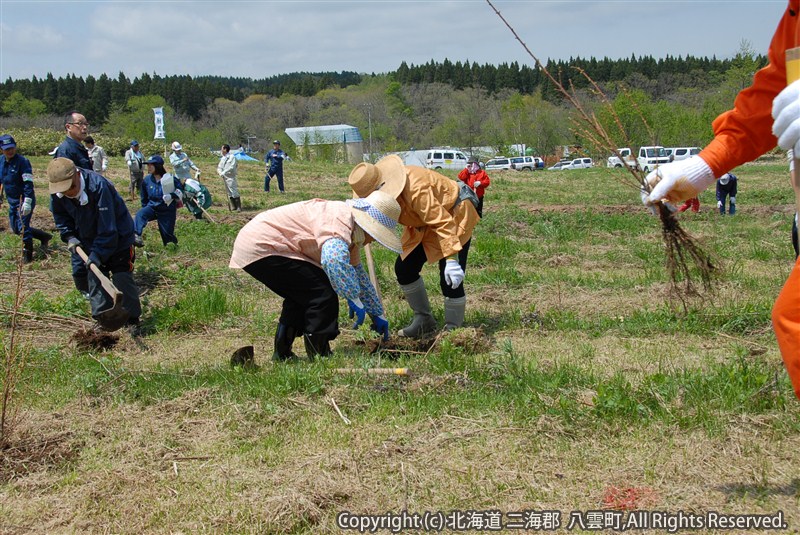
453,274
167,198
786,112
677,181
477,183
104,168
27,206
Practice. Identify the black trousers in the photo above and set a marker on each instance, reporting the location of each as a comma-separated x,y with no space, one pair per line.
408,270
119,268
309,303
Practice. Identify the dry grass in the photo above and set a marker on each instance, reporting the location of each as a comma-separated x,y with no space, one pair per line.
180,464
206,461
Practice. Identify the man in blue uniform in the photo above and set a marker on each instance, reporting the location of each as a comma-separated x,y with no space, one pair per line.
274,160
726,188
17,178
77,128
90,213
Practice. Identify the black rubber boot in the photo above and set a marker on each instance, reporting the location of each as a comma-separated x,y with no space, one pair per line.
27,251
237,204
317,345
284,337
42,236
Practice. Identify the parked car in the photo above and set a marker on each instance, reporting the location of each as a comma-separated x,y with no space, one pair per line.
560,165
527,163
500,163
446,159
651,157
578,163
627,158
681,153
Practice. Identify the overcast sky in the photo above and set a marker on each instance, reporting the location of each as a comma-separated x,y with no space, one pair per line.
262,38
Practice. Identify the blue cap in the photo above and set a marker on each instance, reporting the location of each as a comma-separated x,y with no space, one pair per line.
134,143
155,159
7,142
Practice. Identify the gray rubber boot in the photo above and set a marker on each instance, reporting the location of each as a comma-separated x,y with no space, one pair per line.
454,312
423,322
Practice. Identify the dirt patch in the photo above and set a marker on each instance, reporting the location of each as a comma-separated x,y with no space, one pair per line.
471,340
91,339
574,208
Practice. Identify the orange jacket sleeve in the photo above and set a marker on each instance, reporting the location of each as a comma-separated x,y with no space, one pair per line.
745,132
786,323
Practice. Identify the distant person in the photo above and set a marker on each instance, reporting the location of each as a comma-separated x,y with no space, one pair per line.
693,203
763,114
196,196
77,128
161,193
726,190
274,162
97,155
135,160
241,149
16,176
309,253
227,169
181,163
477,179
89,213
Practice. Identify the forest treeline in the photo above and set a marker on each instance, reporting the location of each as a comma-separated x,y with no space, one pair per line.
669,101
191,96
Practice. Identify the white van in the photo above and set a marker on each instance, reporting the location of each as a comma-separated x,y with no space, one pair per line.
681,153
579,163
527,163
446,159
500,163
651,157
627,158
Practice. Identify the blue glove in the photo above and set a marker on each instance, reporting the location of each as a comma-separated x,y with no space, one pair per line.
381,326
358,311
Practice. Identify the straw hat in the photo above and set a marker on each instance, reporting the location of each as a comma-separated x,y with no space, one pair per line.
388,175
377,214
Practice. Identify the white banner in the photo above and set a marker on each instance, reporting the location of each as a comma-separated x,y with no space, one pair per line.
159,119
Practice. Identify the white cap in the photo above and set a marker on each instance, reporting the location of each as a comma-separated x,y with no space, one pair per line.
176,146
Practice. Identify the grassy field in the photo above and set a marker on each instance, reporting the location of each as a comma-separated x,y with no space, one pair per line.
575,385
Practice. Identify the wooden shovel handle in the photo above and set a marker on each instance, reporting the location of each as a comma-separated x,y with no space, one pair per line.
108,286
372,276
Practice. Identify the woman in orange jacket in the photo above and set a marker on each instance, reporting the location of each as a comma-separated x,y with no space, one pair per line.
743,134
477,179
438,214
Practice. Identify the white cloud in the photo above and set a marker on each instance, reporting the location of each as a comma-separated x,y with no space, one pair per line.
265,38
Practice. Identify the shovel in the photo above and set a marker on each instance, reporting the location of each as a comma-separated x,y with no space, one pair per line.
115,317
